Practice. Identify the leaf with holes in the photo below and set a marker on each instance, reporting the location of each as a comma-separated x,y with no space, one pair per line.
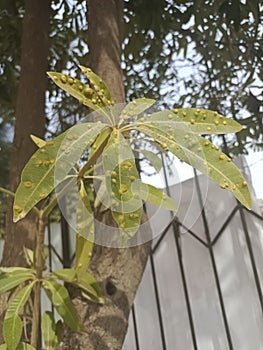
195,120
60,298
12,326
50,165
205,157
120,169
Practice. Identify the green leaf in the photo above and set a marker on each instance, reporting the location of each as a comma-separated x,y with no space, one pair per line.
10,280
60,298
199,121
39,142
155,161
136,107
120,169
77,89
21,346
12,326
49,332
29,255
98,85
50,165
25,346
154,196
12,331
84,249
66,275
205,157
90,286
85,231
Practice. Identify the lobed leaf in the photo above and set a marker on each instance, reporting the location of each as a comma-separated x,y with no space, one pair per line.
16,276
50,165
136,107
49,331
60,298
120,169
13,325
205,157
199,121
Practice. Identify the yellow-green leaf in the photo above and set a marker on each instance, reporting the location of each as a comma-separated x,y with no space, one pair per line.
10,280
154,196
50,164
136,107
196,120
12,326
120,169
77,89
48,327
60,298
66,275
98,85
205,157
39,142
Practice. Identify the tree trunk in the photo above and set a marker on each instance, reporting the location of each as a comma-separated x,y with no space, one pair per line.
30,119
119,271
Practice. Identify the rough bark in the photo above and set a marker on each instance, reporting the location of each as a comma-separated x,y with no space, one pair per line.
119,271
29,119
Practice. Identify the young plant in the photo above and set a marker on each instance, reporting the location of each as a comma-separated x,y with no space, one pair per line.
103,151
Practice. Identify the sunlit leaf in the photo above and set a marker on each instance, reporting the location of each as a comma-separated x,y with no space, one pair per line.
10,280
39,142
205,157
50,165
12,326
136,107
120,169
77,89
48,327
98,85
197,120
60,298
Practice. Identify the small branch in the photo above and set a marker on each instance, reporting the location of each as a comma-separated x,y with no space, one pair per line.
7,192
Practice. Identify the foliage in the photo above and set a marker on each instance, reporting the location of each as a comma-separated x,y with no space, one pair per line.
103,151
